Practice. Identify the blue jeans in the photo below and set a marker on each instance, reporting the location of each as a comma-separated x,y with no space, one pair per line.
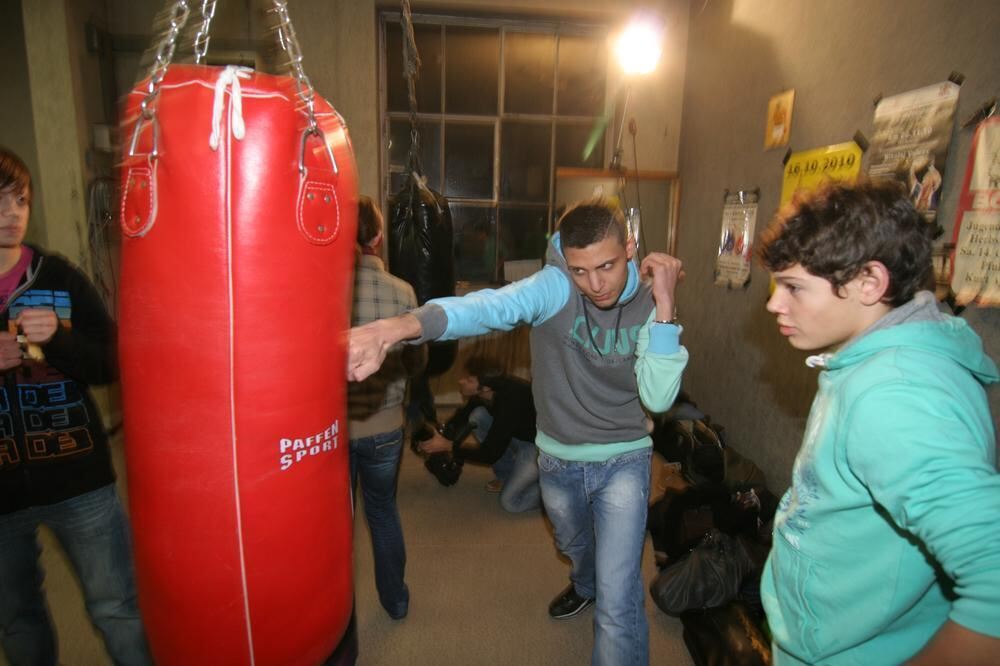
517,468
598,514
94,532
376,460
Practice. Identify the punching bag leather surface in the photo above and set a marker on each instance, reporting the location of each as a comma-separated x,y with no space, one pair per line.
421,252
235,291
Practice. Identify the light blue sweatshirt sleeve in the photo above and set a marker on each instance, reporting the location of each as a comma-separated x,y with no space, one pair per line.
933,469
531,301
660,362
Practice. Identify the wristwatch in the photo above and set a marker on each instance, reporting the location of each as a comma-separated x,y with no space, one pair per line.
673,320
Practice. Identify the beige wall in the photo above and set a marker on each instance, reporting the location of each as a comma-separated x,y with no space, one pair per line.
17,122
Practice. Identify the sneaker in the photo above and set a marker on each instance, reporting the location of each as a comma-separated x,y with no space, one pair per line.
568,604
494,486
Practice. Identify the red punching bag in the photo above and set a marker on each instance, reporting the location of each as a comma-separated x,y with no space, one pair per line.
239,205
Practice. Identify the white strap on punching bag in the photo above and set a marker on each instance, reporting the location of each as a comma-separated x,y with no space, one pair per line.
229,77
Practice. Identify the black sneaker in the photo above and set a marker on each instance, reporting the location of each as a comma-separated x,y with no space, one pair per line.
568,604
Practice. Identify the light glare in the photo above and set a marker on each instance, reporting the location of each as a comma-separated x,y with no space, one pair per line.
639,48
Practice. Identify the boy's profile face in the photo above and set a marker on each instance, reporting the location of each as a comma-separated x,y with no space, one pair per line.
811,315
600,270
14,210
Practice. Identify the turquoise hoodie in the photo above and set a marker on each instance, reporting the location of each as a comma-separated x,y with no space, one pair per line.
892,524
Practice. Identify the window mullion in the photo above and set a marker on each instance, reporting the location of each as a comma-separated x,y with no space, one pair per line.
442,167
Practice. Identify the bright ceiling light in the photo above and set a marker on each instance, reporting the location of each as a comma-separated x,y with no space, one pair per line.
639,47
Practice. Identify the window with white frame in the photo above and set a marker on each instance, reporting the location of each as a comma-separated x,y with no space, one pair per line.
500,104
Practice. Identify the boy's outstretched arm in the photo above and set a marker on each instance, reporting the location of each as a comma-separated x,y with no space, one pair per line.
954,645
368,345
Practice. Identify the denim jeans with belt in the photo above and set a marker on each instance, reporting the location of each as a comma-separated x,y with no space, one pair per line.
375,460
94,532
598,514
517,467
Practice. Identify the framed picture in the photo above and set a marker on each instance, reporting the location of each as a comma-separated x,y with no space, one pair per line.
779,120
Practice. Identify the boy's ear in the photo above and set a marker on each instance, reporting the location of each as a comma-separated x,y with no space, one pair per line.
873,282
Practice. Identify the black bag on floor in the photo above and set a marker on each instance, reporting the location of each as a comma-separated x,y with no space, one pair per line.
709,576
726,636
445,467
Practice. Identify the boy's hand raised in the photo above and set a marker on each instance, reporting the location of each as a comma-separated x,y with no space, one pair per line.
368,345
666,272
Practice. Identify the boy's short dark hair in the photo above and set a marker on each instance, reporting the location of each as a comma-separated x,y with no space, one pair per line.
14,173
835,231
369,220
484,368
590,222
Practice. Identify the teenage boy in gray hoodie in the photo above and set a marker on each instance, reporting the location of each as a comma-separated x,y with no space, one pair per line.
604,344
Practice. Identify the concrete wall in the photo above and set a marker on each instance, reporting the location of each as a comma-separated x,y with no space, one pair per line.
17,122
837,55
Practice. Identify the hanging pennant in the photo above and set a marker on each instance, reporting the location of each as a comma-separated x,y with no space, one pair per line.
976,258
739,218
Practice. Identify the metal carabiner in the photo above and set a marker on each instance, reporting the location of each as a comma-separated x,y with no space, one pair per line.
302,150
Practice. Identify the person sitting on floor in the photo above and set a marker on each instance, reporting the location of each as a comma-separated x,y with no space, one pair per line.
501,413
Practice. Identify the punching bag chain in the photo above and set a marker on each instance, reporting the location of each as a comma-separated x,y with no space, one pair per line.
164,54
290,44
201,39
411,71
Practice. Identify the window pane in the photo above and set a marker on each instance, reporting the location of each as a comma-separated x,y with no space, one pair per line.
523,232
428,39
472,63
580,146
468,153
582,61
475,243
430,149
529,65
524,155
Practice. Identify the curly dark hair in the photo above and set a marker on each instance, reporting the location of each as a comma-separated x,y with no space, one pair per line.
835,231
590,222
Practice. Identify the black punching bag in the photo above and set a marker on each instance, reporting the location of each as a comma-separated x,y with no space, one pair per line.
421,252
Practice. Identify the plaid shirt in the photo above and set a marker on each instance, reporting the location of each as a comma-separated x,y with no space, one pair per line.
378,295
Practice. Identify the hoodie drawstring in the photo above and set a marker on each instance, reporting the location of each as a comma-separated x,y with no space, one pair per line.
590,331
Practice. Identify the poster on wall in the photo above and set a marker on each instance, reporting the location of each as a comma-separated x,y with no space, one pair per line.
739,218
778,128
912,135
976,259
807,170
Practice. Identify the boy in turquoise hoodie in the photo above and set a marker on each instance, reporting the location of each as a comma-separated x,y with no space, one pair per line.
887,545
